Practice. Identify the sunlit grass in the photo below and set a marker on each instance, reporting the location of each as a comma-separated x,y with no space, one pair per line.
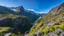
45,30
3,29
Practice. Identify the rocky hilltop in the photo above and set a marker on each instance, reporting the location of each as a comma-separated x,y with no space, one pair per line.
51,24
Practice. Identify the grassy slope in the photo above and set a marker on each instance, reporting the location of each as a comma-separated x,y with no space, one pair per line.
5,16
43,23
3,29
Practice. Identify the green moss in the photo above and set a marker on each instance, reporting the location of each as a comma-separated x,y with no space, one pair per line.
18,34
13,34
61,26
45,30
57,33
51,29
4,29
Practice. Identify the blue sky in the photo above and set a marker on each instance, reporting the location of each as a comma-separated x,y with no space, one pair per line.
36,5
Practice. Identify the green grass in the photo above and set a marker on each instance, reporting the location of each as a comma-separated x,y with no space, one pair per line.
3,29
35,28
45,30
18,34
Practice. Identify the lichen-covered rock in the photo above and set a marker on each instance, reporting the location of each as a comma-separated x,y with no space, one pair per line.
51,34
39,34
62,34
52,23
58,31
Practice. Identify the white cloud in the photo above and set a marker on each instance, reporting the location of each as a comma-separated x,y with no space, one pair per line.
41,12
31,9
36,11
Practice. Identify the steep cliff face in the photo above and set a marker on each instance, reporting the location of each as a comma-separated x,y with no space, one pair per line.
51,24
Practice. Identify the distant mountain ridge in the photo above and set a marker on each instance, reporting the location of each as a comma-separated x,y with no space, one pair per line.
5,10
17,18
30,14
20,11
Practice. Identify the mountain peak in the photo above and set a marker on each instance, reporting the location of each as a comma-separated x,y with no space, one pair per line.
21,8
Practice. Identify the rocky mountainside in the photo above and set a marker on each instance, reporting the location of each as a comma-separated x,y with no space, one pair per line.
16,20
30,14
51,24
20,11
